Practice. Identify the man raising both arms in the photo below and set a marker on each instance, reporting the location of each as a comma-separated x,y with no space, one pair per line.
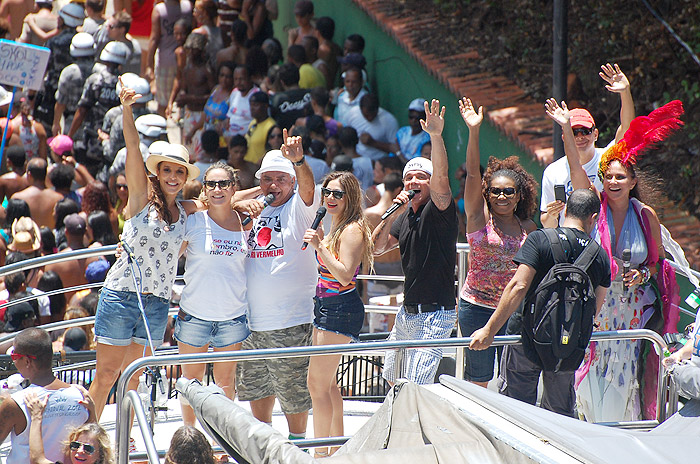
426,233
586,135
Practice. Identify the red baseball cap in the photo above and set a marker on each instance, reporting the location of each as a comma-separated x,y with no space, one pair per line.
581,117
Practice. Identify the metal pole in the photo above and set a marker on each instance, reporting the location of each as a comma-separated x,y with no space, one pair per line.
400,363
559,66
132,399
462,267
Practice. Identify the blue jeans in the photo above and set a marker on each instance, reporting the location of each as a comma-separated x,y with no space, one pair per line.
197,332
478,365
343,314
118,320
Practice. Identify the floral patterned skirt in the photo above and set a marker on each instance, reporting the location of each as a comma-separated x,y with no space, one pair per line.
607,382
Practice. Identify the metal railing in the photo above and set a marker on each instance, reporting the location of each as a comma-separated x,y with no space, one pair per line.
462,250
122,423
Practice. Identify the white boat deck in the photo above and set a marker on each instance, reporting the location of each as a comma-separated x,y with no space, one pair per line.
356,415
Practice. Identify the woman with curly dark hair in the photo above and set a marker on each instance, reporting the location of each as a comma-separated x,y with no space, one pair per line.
498,210
96,198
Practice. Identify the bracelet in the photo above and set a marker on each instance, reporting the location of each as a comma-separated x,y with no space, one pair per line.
646,274
300,162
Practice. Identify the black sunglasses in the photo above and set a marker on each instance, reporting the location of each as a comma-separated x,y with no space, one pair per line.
508,191
122,186
583,131
337,194
75,446
222,184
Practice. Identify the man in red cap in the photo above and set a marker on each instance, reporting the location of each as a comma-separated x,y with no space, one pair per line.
586,134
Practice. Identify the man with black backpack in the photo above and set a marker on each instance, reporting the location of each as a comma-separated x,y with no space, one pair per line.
560,304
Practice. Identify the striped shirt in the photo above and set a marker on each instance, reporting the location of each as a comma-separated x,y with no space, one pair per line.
328,286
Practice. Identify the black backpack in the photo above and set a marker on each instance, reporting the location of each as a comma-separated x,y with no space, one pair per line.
558,317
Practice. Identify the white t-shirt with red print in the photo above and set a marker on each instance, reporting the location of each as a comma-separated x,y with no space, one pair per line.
281,277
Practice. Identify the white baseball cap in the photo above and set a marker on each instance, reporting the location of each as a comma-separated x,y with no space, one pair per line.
274,160
417,105
419,164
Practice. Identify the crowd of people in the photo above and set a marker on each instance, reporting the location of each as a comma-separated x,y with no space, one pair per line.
267,141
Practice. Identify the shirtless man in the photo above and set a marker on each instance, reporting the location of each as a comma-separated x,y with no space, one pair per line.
192,93
388,263
237,51
14,180
72,272
31,133
15,11
41,200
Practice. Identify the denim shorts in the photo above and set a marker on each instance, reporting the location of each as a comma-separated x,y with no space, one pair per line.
478,365
343,314
199,332
118,320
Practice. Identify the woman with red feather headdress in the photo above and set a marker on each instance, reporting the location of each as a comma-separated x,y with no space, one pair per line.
613,374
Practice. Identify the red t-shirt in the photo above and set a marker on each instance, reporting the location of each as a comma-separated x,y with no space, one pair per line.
141,18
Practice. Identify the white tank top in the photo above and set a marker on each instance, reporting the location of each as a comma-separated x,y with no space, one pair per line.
62,413
215,280
156,246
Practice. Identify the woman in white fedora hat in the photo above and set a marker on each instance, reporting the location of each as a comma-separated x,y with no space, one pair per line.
154,229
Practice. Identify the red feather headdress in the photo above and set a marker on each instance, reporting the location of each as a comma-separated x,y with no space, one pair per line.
643,131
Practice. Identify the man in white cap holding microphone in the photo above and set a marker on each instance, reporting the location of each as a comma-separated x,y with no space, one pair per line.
281,285
425,230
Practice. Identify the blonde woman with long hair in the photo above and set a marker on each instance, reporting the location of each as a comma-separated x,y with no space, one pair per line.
338,309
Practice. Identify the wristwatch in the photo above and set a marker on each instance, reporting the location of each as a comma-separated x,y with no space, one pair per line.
300,162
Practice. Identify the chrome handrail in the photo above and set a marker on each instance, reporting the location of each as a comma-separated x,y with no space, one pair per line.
57,258
122,422
77,322
132,398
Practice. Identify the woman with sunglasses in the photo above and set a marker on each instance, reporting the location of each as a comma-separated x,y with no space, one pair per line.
630,232
154,230
213,305
86,444
498,210
338,310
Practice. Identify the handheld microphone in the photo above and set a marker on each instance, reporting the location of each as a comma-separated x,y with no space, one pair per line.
395,206
317,221
626,257
269,198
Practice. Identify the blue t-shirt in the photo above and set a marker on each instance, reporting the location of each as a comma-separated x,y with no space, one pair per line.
410,145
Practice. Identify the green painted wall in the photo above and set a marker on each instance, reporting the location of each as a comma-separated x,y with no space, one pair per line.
398,78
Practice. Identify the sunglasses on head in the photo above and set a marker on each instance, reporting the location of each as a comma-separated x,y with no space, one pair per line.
337,194
16,356
583,131
88,448
508,191
222,184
